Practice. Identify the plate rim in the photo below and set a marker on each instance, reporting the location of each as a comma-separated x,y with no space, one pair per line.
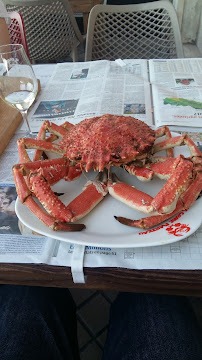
56,234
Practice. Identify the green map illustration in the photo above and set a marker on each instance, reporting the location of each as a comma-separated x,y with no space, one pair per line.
183,102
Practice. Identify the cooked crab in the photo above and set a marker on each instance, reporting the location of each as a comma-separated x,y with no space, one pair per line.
100,143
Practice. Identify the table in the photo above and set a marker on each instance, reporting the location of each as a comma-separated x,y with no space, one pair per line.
84,6
178,282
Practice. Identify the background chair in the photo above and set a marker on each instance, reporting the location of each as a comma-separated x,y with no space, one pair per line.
125,2
51,29
141,31
16,30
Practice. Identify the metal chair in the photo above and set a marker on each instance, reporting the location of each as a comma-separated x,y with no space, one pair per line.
51,29
16,30
141,31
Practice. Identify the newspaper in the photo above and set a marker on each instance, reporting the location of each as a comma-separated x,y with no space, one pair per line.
159,92
177,92
83,90
19,244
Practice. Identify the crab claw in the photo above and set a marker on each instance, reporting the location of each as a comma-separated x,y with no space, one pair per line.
147,222
150,221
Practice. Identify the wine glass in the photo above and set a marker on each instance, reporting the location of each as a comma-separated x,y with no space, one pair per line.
18,83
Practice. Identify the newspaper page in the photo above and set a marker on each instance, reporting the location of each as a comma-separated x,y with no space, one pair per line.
177,92
82,90
183,255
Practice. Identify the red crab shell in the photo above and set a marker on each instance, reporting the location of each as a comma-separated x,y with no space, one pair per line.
108,140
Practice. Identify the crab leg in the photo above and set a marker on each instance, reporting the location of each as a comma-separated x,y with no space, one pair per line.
93,192
56,129
50,201
42,136
52,170
194,150
23,155
162,169
150,221
165,201
74,171
67,125
27,143
20,183
184,203
130,195
49,220
40,146
142,173
165,131
169,143
26,198
42,143
177,141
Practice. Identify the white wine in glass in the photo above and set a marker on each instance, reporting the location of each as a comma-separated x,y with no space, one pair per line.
18,83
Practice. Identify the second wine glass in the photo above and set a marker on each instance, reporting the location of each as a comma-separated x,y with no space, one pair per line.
18,83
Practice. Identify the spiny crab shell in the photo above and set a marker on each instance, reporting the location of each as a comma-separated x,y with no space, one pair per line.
108,140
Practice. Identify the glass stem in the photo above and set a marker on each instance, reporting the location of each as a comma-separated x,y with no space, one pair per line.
25,119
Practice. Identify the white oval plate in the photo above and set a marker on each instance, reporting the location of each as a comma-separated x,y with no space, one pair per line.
101,227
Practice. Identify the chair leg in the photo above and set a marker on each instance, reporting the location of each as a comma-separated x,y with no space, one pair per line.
74,54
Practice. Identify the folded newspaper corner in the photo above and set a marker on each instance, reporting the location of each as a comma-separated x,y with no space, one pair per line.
75,91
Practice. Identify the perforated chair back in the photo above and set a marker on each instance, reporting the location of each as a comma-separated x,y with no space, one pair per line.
16,30
142,31
51,29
